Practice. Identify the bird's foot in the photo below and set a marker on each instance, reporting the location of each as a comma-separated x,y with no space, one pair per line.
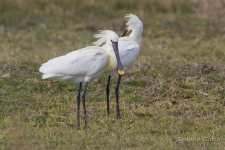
119,118
86,126
108,114
78,127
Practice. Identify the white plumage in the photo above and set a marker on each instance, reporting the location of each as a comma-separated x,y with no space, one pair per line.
129,47
135,26
85,64
77,66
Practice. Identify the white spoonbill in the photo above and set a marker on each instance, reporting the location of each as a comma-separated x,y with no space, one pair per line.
129,47
85,64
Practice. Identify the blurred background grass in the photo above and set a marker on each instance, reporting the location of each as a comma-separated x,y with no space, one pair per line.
175,89
40,25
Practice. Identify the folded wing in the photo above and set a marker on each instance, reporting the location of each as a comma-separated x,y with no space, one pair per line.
87,62
129,50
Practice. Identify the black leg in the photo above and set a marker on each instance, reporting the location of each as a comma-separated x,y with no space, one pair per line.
78,106
117,97
107,94
83,102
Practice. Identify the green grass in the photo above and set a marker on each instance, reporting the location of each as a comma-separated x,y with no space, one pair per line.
172,98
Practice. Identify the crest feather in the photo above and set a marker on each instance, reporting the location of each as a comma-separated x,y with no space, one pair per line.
101,37
133,21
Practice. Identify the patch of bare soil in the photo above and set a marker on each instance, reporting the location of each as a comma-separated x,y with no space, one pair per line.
151,91
183,83
203,67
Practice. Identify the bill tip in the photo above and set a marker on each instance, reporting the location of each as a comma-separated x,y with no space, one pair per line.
121,72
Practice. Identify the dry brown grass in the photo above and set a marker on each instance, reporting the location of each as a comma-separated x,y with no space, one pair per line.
209,9
205,9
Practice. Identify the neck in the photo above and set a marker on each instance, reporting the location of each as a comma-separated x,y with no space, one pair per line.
109,49
137,35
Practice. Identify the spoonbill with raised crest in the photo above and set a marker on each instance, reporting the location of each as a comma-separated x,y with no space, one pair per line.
129,47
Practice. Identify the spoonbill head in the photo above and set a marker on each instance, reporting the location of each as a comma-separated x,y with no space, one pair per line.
134,27
85,64
110,39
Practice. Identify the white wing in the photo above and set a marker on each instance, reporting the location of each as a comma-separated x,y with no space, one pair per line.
128,49
86,62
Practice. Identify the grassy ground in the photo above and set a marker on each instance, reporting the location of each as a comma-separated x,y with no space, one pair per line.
173,97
